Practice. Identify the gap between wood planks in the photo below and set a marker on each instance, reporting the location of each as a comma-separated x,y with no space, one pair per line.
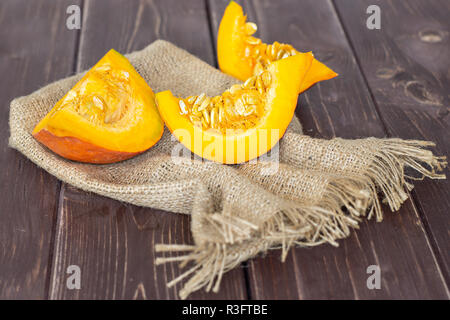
415,202
432,243
52,281
61,187
209,17
379,132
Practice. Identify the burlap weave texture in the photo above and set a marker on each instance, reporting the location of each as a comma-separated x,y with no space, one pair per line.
318,192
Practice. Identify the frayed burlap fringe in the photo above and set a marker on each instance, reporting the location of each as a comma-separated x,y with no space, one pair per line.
348,196
315,221
319,191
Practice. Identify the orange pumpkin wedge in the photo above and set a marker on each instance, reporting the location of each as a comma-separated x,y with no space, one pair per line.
110,115
243,123
242,55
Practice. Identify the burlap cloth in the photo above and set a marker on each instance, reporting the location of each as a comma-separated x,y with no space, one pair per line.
314,194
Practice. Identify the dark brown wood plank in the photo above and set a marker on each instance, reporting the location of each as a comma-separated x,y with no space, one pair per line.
112,242
340,107
35,49
407,66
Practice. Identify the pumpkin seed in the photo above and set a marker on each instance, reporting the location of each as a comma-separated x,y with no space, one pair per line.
251,97
235,88
260,85
250,82
221,114
191,99
253,41
204,104
269,50
206,116
183,107
256,52
258,68
280,53
250,28
250,110
273,51
204,123
239,107
266,78
213,117
98,102
247,52
236,108
199,100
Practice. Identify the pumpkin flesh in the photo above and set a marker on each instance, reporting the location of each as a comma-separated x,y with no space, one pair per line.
241,55
229,144
108,116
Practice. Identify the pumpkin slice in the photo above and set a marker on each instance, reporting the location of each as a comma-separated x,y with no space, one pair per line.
246,121
108,116
242,55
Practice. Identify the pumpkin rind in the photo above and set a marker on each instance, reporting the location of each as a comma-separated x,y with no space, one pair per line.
78,150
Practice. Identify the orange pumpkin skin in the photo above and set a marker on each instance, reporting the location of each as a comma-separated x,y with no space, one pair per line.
75,149
110,115
231,45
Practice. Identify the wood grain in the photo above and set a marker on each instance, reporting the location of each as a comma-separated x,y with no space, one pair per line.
340,107
36,48
393,82
407,67
112,242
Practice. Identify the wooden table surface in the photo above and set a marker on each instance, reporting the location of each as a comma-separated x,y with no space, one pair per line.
393,82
